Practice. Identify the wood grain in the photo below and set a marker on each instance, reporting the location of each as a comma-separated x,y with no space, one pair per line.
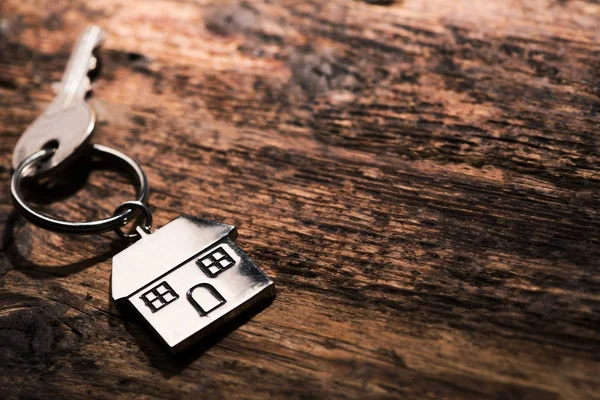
420,178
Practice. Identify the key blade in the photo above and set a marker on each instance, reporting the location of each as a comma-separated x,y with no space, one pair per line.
75,82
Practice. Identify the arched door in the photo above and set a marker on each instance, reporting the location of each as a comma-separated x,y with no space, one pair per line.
205,298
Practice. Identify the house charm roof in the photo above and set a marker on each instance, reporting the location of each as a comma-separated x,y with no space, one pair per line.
187,279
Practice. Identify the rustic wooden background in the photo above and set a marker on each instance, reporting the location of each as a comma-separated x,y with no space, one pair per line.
421,179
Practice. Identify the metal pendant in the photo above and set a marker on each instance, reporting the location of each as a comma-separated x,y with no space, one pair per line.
187,279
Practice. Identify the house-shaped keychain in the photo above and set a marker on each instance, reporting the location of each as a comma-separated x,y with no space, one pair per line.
187,279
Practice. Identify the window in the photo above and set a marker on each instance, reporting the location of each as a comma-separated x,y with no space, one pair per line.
215,262
159,296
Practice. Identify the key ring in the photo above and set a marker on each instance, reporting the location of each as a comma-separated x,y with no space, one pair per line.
186,279
122,215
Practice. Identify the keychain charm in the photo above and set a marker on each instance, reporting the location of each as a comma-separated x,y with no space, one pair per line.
188,278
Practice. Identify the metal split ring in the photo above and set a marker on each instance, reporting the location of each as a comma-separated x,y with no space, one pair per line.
122,215
128,205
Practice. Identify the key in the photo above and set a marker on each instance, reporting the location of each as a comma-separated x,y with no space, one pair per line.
67,124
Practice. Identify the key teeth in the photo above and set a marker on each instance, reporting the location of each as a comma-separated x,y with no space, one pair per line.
95,67
99,36
93,63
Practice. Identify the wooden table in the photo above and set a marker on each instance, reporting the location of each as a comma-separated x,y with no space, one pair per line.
420,178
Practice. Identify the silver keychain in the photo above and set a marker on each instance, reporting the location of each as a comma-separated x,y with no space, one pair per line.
188,278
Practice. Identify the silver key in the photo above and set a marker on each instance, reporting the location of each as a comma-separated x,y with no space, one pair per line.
68,122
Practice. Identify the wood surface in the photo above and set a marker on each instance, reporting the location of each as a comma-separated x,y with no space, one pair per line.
420,178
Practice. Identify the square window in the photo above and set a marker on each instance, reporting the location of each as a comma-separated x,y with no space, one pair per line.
206,261
159,296
224,263
215,262
157,302
169,297
162,289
